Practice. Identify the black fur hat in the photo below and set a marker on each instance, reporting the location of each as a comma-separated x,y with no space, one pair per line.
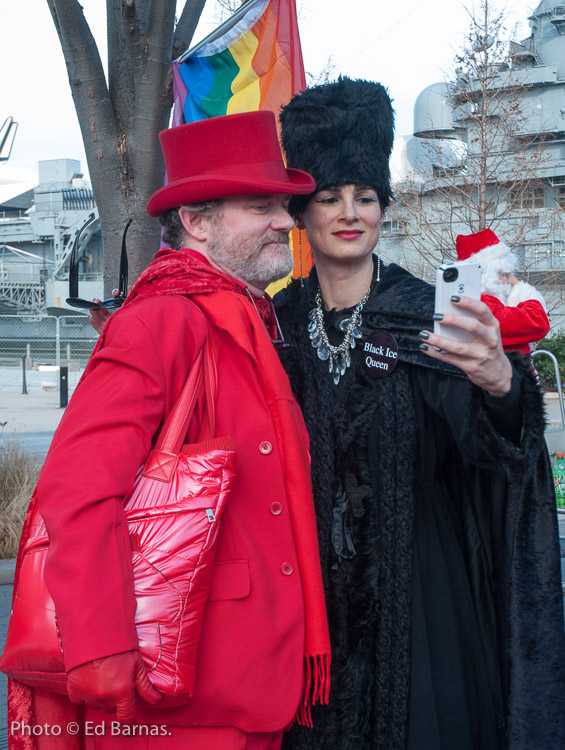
340,133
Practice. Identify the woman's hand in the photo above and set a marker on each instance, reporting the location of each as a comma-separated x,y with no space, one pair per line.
483,359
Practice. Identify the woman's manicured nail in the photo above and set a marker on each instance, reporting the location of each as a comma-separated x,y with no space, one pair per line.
455,298
437,316
424,347
424,335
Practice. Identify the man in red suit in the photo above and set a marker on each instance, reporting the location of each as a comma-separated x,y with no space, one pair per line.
520,309
263,655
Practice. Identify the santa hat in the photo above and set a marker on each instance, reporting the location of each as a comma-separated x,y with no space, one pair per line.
486,249
341,133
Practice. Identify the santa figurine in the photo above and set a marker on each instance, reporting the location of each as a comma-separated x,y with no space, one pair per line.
519,307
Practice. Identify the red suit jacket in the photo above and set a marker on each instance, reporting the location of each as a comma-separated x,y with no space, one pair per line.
250,659
520,326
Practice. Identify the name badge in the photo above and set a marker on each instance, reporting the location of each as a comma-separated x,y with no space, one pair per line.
379,352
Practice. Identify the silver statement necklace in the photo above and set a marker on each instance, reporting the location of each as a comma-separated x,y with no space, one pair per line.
337,357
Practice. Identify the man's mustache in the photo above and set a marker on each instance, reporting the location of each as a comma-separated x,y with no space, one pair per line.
278,237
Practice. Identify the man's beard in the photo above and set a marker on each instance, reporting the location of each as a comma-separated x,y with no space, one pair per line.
258,262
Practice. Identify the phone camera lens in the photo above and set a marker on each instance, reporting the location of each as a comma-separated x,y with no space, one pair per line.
450,274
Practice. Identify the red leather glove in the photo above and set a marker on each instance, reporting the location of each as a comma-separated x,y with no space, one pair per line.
111,683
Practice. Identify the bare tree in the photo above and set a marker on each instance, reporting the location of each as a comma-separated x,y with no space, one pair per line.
476,172
120,117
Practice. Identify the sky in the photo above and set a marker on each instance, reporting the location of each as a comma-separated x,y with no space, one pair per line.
406,46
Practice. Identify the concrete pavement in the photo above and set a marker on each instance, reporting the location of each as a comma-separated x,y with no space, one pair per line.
32,418
36,411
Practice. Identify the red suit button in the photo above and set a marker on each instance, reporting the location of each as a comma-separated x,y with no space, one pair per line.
265,447
276,509
287,569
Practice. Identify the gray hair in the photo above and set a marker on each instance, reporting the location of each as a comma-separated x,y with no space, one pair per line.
175,234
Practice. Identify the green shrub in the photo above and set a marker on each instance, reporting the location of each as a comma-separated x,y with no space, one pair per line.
555,344
19,472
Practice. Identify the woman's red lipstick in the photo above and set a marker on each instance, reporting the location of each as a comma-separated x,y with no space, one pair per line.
348,234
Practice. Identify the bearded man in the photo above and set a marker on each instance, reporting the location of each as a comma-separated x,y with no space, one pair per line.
264,636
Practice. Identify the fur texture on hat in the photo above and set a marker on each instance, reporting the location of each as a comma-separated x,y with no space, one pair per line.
341,133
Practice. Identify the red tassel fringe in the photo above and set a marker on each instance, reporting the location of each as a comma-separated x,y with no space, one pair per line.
316,687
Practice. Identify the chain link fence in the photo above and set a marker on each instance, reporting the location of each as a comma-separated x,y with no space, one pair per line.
66,341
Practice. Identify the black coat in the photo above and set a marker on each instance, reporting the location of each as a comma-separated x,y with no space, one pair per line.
439,544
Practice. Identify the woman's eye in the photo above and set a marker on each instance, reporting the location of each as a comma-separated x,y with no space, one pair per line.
366,199
328,200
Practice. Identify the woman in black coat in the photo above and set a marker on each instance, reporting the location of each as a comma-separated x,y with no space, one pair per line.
435,508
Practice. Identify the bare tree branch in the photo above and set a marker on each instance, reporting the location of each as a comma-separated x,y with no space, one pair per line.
134,38
186,26
84,67
499,166
120,75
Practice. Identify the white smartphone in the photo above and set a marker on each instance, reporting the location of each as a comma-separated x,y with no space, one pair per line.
461,277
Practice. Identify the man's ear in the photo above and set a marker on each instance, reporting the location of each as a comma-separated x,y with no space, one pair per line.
299,221
196,225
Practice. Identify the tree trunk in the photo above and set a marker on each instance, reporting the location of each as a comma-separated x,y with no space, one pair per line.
120,120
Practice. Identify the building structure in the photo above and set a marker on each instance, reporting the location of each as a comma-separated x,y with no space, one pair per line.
37,232
514,168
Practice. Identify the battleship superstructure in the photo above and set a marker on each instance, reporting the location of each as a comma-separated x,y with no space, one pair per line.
36,242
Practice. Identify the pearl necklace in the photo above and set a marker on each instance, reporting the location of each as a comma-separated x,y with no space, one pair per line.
338,357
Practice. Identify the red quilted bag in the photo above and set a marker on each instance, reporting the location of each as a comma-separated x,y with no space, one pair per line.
173,513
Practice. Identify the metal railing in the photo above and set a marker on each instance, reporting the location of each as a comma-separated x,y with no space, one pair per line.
46,339
554,437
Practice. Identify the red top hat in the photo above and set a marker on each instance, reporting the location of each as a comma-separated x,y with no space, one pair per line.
229,155
467,245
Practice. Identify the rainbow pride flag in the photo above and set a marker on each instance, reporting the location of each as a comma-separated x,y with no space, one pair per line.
255,65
